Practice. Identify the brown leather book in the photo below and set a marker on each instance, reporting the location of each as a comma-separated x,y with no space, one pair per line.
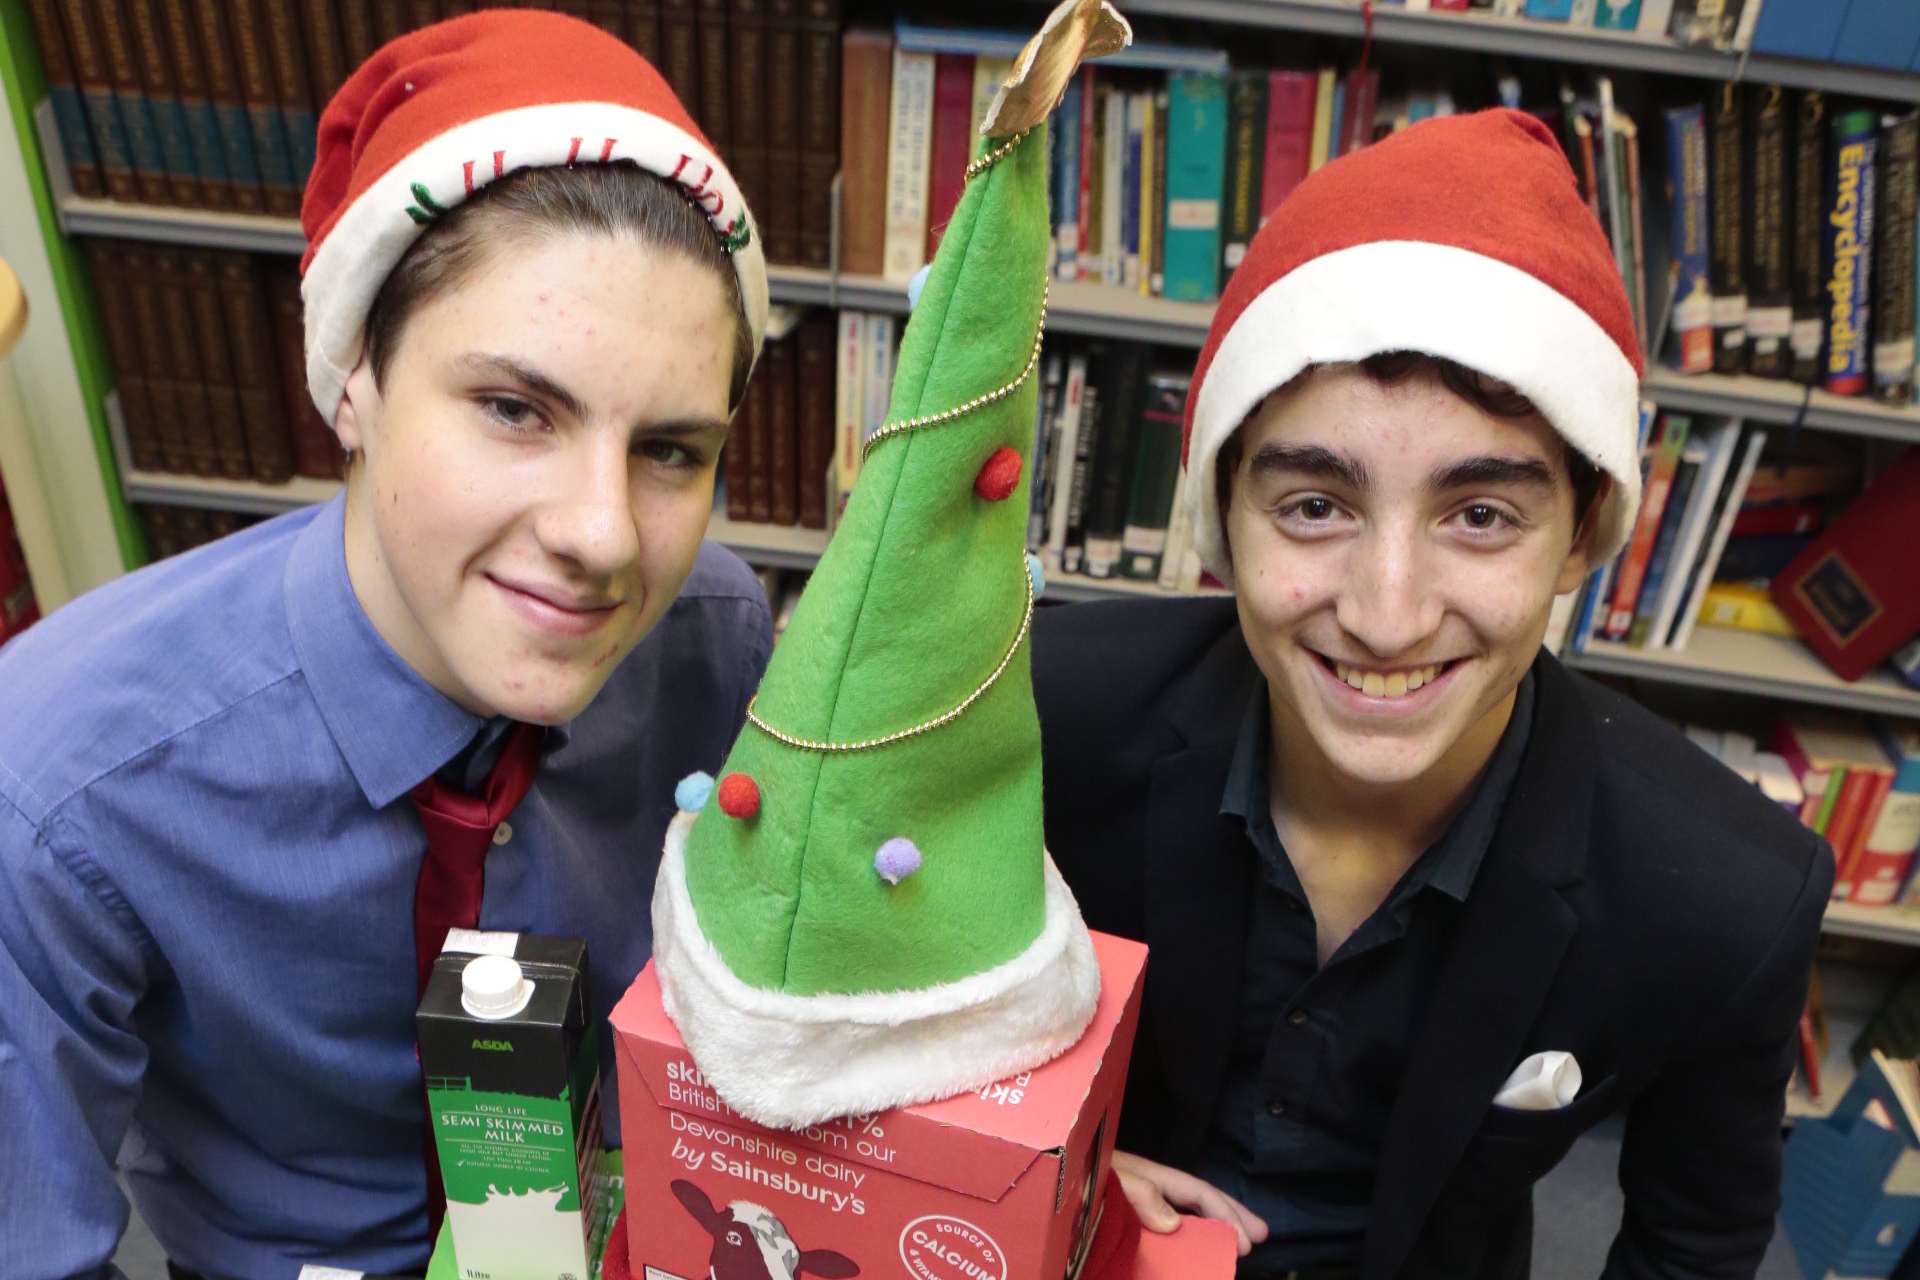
76,139
820,130
196,103
359,37
190,524
256,375
866,102
388,21
681,49
150,324
234,129
779,213
97,100
420,13
222,523
321,32
781,467
643,31
106,264
271,149
183,351
573,8
610,16
216,365
162,530
316,450
749,427
818,342
163,102
715,54
746,154
111,24
287,54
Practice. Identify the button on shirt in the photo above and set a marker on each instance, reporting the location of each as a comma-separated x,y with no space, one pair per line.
207,866
1318,1053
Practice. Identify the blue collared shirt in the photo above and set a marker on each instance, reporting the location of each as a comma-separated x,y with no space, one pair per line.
207,866
1320,1051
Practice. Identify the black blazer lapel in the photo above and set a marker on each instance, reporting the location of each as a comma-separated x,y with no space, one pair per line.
1198,879
1505,952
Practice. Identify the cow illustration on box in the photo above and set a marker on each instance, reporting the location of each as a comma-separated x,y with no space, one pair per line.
750,1243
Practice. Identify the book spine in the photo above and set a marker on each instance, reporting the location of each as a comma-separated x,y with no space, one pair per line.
196,105
1727,262
1133,107
1113,147
1770,281
316,451
1889,835
163,389
1246,148
866,99
747,108
710,33
136,110
680,38
1362,101
643,29
1149,215
1066,454
1066,185
780,457
69,111
232,130
1809,217
163,96
1040,488
105,265
1321,147
248,330
1893,348
183,353
1086,449
1849,253
1289,137
1179,534
1088,157
1660,563
289,63
1633,565
1157,276
419,13
814,413
216,366
1122,377
908,155
267,126
949,141
1156,474
1196,146
101,107
1843,827
322,37
779,213
358,36
849,402
749,428
820,130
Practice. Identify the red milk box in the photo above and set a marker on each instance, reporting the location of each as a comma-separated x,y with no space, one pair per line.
998,1184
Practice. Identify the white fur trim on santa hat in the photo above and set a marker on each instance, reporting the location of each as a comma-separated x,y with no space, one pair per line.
788,1061
1401,295
371,235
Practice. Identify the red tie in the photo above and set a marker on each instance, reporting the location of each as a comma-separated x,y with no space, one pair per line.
447,896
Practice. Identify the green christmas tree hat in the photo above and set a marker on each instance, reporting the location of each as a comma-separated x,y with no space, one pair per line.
862,914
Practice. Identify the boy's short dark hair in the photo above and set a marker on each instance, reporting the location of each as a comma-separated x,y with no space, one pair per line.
1490,395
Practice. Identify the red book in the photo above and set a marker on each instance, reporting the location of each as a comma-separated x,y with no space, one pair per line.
1363,103
1780,517
1881,855
1850,592
1290,96
1087,161
1671,439
1453,6
1863,784
952,136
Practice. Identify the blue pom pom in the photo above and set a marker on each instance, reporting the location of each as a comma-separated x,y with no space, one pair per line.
1038,574
915,285
694,791
898,858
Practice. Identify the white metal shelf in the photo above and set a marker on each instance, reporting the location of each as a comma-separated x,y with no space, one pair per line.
1553,41
1882,924
767,545
1748,662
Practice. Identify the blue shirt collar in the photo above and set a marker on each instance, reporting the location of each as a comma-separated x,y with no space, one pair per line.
394,728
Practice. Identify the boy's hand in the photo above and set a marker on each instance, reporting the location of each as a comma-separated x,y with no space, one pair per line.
1159,1194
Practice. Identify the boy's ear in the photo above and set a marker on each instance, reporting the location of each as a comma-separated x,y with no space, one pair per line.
359,400
1579,559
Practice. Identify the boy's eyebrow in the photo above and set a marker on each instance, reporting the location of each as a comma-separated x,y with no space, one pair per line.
532,379
1308,460
1491,470
687,427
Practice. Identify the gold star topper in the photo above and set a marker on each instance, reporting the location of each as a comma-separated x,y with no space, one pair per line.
1075,31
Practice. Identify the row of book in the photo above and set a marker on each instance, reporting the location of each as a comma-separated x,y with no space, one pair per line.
1854,781
207,353
214,103
1712,22
171,530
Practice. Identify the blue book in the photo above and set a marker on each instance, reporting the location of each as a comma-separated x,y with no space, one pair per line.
1196,181
143,136
1066,183
1551,10
1617,15
1661,562
1879,33
1850,1186
1338,117
1691,320
1799,28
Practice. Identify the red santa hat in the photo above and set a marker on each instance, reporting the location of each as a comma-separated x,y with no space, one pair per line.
437,114
1463,237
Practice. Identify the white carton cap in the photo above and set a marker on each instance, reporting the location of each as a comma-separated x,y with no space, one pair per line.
493,987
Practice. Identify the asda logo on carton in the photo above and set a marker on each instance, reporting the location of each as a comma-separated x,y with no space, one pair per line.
494,1046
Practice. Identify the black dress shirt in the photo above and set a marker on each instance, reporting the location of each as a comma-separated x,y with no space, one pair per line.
1319,1053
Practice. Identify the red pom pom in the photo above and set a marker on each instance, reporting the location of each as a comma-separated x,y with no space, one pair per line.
739,796
1000,476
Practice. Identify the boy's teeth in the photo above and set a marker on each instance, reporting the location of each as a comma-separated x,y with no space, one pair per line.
1394,685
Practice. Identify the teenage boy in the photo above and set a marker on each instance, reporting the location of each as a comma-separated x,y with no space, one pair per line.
1391,859
245,793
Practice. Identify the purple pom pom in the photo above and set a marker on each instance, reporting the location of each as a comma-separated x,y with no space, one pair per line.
898,858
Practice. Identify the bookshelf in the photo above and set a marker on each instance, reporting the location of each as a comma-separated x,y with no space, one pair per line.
1749,662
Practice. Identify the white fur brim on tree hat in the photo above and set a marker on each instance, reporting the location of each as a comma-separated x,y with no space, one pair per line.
1463,237
440,112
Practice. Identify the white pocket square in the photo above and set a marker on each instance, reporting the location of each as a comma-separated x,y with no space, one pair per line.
1544,1082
